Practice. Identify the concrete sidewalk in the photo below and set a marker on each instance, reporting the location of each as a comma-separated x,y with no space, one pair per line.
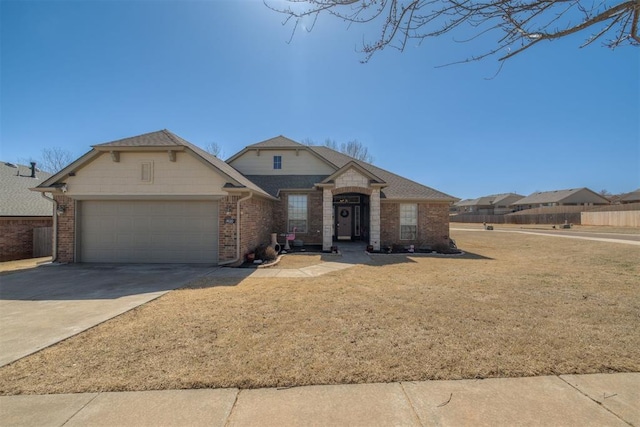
566,400
352,253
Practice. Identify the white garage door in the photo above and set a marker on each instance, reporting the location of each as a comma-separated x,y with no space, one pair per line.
148,231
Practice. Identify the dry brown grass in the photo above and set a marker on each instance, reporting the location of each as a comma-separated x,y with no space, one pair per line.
298,260
515,305
598,229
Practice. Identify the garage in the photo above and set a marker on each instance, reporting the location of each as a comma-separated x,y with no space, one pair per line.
148,231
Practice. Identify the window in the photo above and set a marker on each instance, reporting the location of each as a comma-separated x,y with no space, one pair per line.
408,221
277,162
297,213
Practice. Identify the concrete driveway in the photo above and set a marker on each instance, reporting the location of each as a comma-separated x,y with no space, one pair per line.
44,305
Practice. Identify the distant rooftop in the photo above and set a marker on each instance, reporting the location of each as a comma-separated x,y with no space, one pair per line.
15,197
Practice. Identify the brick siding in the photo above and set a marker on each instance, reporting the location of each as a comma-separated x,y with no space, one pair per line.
66,230
314,232
16,236
256,225
433,224
227,209
314,217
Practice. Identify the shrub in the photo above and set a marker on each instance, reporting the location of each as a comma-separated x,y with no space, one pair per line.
443,248
398,249
266,253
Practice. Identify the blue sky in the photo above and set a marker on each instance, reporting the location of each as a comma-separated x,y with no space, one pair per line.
80,73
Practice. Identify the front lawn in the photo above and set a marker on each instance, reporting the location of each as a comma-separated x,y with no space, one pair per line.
514,305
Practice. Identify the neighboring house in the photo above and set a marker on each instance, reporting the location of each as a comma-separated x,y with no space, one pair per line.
158,198
572,197
495,204
633,197
21,211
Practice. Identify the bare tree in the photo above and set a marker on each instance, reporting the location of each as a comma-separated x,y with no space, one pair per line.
356,150
214,149
54,159
331,143
520,24
353,148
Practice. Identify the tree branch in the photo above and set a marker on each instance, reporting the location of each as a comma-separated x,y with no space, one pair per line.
526,22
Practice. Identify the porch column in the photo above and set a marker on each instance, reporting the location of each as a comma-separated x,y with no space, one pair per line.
327,215
374,219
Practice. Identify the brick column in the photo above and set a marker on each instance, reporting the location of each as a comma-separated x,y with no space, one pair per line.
374,219
66,230
327,222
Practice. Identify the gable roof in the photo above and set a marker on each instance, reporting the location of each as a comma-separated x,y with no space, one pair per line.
162,139
353,165
277,142
397,187
15,197
556,196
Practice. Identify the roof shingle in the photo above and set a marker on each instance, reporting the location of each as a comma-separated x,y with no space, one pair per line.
397,187
15,197
277,142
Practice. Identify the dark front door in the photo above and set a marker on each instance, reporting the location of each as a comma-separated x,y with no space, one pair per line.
344,222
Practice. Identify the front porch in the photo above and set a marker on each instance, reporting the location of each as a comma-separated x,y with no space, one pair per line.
350,214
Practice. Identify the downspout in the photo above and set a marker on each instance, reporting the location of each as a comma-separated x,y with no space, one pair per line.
54,249
237,258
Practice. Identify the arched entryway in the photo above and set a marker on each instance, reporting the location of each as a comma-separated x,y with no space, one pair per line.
351,217
357,206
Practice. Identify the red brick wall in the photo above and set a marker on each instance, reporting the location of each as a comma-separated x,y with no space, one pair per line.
314,206
226,231
16,236
280,216
314,217
66,230
433,224
389,223
256,225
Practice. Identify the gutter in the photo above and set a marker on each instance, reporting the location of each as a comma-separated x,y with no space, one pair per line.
237,258
54,249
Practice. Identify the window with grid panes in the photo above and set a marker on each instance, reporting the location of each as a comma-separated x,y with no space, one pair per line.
408,221
297,213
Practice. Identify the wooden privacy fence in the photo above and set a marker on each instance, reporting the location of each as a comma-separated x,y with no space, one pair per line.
549,218
42,241
617,219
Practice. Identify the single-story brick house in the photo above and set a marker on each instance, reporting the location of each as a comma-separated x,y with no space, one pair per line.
22,211
158,198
